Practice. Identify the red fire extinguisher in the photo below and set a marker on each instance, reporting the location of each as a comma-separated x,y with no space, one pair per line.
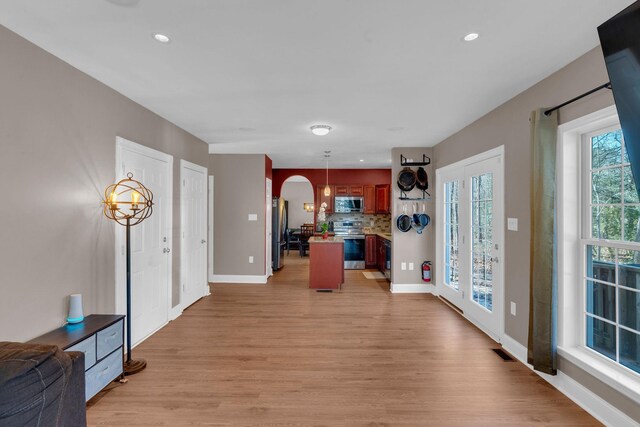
426,271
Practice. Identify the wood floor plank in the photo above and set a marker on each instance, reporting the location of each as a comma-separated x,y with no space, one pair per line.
283,354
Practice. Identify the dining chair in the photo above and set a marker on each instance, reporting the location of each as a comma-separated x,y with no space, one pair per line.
306,231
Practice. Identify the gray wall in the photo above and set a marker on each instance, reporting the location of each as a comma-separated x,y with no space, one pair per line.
297,194
239,190
508,125
411,246
58,128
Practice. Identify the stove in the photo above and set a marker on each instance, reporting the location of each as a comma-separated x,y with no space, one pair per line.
352,233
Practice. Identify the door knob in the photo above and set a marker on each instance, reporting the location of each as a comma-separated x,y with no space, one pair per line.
203,241
166,250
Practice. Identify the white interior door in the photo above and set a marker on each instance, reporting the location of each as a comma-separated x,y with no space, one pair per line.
151,255
470,239
269,230
193,221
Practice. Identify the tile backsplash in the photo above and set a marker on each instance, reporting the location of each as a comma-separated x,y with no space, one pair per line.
379,223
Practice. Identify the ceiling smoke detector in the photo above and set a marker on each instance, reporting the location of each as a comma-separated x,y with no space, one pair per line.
161,38
320,130
471,37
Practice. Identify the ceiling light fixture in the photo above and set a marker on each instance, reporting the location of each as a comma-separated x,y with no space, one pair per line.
161,38
320,130
327,189
362,160
471,37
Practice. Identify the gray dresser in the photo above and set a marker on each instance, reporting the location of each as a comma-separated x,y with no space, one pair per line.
101,338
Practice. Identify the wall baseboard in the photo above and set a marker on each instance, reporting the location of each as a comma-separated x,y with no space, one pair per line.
599,408
175,312
238,279
411,288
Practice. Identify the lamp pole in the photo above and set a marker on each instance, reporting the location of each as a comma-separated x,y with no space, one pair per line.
128,291
128,214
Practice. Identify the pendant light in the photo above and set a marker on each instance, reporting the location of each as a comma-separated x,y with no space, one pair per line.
327,189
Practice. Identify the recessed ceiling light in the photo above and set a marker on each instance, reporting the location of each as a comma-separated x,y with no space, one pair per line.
320,130
471,37
161,38
362,160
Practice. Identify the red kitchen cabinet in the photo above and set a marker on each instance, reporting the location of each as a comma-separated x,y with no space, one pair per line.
369,199
370,254
342,190
356,190
382,199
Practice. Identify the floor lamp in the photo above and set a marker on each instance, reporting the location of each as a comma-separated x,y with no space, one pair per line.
128,203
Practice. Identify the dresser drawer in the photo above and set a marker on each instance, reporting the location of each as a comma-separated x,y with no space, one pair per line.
88,347
103,373
109,339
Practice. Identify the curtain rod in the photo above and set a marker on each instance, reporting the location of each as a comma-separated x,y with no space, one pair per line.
557,107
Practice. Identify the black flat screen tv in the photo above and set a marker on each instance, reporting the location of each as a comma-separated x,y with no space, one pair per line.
620,41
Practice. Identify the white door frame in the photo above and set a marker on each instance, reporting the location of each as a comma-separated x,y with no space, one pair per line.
184,164
210,257
269,228
441,173
120,279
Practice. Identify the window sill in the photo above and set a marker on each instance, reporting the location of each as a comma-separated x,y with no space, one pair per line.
618,378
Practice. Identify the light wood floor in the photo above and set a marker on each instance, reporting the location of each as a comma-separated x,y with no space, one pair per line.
284,355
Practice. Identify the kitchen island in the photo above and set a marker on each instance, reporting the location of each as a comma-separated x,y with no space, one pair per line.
326,263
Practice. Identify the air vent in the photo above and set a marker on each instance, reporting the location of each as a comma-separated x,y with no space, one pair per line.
504,355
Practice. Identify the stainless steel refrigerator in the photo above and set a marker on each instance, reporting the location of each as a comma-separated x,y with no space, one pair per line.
280,225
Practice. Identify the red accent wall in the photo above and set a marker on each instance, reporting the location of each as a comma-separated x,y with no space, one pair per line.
336,176
268,171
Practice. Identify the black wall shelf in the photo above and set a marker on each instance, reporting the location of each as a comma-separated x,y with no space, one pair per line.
425,196
426,160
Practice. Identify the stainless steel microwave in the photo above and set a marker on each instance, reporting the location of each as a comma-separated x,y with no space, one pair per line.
346,204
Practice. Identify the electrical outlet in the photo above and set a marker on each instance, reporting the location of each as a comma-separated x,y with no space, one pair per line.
250,260
403,266
513,308
512,224
410,266
253,217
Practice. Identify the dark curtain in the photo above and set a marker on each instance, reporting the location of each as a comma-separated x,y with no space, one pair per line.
543,295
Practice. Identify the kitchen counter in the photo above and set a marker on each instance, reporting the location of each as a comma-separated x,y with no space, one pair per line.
326,263
330,239
386,236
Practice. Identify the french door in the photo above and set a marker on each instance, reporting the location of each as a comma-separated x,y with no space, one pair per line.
470,240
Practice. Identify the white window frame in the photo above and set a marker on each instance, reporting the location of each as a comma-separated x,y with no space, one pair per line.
572,197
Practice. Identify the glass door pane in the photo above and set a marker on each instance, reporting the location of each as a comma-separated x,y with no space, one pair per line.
451,230
482,240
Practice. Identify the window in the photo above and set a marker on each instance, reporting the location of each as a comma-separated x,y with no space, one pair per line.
611,246
452,221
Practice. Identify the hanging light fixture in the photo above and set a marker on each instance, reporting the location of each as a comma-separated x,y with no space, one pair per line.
327,189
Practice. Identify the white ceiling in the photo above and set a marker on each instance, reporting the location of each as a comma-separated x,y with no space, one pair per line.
251,76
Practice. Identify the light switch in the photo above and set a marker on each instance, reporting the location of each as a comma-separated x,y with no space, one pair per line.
512,224
253,217
403,266
513,308
410,266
